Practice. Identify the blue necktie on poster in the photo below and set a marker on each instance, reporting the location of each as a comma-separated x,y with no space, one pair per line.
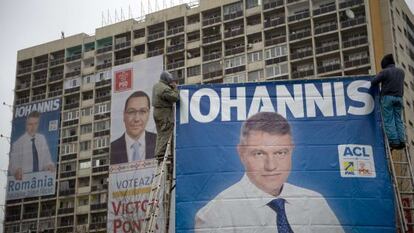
35,156
278,205
136,156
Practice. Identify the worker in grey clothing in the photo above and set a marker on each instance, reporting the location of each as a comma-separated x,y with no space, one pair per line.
391,79
164,95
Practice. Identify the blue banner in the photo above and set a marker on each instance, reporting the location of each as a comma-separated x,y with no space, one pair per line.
34,150
286,156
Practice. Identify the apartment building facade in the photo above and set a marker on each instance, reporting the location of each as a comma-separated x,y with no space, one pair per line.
211,42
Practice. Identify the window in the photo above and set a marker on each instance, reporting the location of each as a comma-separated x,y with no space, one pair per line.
87,95
85,145
240,78
193,71
87,79
69,132
276,70
100,162
235,61
255,56
276,52
102,108
255,76
251,3
101,126
84,129
68,148
101,142
71,83
67,116
232,8
86,111
83,164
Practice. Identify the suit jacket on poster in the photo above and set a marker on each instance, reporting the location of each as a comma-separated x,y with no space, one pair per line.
119,150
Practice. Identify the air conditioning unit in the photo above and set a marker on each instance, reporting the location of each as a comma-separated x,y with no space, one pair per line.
249,46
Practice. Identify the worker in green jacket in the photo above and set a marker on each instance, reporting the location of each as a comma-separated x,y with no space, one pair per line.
164,95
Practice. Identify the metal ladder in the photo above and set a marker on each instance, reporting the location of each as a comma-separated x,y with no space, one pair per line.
403,182
162,182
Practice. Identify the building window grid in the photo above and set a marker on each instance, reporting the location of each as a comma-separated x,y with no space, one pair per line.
277,70
277,51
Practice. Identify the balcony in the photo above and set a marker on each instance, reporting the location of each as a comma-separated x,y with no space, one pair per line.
297,55
57,61
211,21
23,85
233,33
66,210
96,226
155,35
175,48
234,51
68,157
272,4
212,56
12,217
122,45
350,3
99,206
74,57
353,22
99,187
67,174
357,62
100,169
39,81
39,97
327,28
299,16
175,30
65,228
54,93
299,35
353,42
73,73
324,10
211,38
71,106
104,49
233,15
103,98
327,48
40,66
55,77
122,61
155,52
274,22
47,212
328,68
302,74
103,83
29,215
275,60
22,100
213,74
175,65
67,192
24,70
235,69
104,65
275,40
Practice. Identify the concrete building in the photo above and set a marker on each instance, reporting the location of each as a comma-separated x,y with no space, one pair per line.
212,42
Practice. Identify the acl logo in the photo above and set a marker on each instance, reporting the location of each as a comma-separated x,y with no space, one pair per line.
123,80
356,160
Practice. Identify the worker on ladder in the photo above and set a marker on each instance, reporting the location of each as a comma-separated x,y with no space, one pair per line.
392,92
164,95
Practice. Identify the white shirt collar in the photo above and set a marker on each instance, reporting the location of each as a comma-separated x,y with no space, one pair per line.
263,198
130,141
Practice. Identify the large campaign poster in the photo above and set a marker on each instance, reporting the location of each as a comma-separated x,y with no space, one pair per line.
285,156
34,149
133,137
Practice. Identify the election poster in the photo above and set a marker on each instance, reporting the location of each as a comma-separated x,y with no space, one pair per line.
133,137
282,156
34,150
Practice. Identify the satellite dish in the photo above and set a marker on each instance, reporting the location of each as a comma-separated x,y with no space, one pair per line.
350,14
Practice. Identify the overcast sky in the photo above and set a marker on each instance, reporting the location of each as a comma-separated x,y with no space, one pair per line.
25,23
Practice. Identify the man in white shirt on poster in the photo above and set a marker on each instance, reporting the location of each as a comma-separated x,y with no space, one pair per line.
30,153
262,201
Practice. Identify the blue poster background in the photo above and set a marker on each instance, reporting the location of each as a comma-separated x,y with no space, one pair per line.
207,161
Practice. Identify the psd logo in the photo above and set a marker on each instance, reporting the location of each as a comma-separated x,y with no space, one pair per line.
356,160
123,80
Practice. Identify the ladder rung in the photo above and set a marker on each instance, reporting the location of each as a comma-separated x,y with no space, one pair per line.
403,177
395,162
407,193
408,208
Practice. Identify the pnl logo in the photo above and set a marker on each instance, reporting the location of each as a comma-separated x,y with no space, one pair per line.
356,160
123,80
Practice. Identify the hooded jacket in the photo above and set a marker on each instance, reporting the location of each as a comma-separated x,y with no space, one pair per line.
391,78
